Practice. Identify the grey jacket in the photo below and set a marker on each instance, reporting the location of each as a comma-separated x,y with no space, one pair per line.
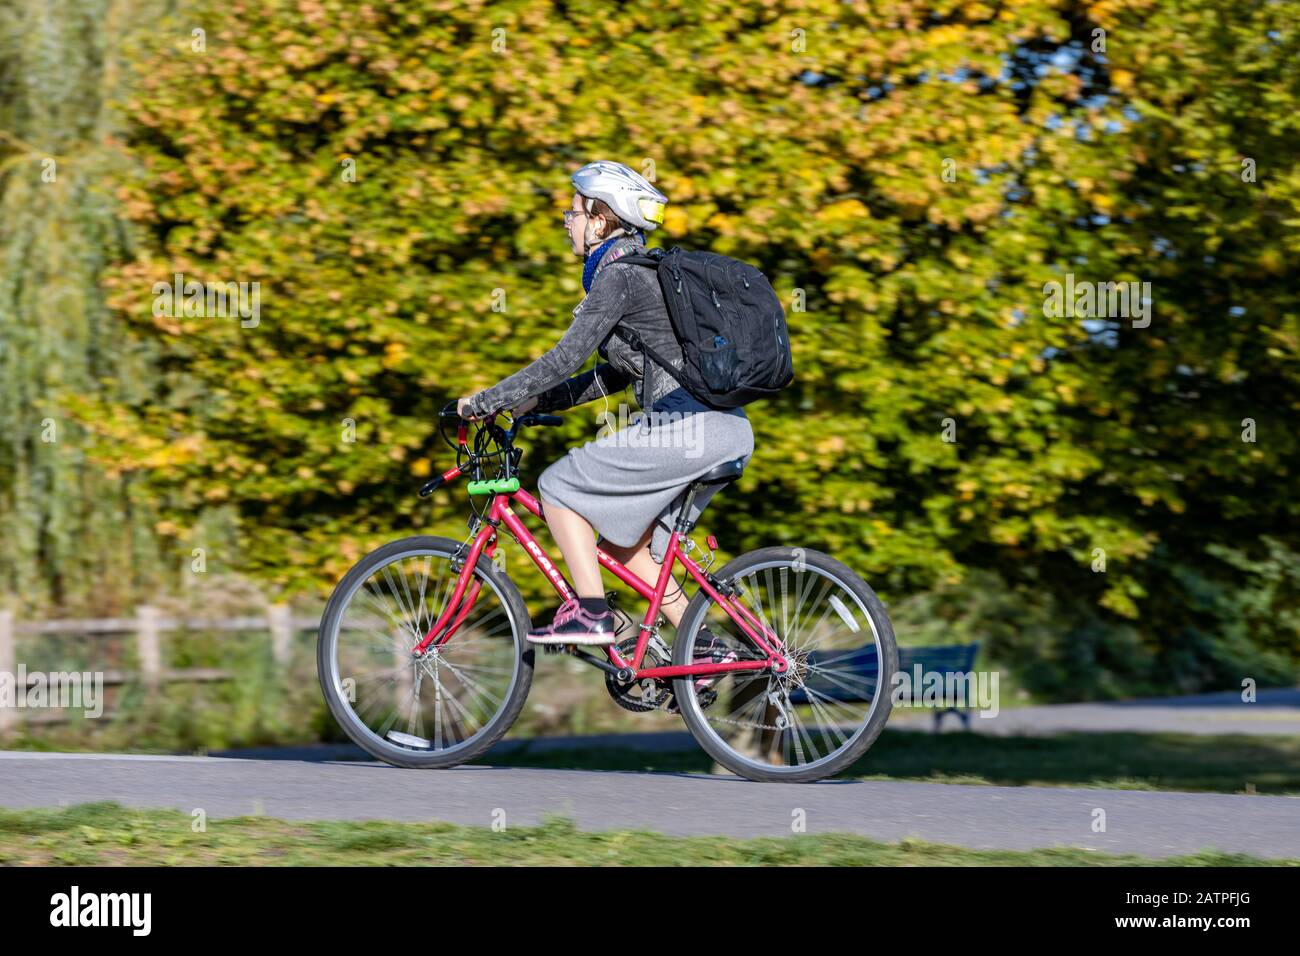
627,295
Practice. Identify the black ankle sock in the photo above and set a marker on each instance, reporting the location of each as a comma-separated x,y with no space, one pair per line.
596,606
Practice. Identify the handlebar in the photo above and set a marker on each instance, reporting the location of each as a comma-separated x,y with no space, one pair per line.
532,418
429,487
477,455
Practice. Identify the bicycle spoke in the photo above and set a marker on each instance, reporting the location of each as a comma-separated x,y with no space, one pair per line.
471,684
797,725
800,718
760,609
375,672
826,718
412,719
416,609
377,701
447,589
847,655
483,668
381,608
842,680
448,695
404,611
793,642
451,702
815,629
756,703
771,596
827,701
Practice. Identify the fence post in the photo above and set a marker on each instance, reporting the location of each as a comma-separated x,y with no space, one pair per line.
148,648
8,715
281,627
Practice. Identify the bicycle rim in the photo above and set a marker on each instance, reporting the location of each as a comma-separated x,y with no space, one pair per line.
815,719
444,702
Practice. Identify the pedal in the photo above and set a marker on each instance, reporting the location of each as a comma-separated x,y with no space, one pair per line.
559,648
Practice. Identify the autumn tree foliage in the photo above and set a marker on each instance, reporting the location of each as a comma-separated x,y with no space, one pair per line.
76,536
913,176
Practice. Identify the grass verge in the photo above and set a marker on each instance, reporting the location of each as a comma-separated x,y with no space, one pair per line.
107,834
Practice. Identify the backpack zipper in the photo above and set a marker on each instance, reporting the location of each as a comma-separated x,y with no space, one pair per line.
776,327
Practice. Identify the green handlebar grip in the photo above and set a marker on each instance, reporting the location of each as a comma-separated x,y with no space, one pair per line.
494,486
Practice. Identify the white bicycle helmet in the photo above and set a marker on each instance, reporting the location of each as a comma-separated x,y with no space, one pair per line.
629,194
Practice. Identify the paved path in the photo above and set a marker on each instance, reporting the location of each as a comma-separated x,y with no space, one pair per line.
1146,823
1275,712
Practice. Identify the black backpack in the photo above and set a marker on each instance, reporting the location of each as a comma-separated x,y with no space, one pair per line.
728,321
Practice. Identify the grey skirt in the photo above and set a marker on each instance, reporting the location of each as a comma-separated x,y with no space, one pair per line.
625,480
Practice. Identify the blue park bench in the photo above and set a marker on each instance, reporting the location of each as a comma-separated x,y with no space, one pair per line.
860,668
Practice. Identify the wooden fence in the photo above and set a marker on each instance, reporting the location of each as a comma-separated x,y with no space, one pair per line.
148,626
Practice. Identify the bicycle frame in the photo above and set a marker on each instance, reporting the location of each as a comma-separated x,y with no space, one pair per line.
500,515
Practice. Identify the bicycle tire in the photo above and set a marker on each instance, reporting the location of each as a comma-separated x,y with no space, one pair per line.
883,632
353,726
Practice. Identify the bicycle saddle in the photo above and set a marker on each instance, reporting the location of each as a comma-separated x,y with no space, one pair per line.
727,471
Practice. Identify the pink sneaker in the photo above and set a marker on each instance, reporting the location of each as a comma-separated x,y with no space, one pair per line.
715,649
573,625
708,648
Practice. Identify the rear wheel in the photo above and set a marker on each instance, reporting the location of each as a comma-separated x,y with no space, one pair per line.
830,706
452,703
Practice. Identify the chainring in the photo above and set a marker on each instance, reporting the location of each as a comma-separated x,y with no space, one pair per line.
647,694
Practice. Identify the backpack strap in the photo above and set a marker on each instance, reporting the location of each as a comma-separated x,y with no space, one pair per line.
633,339
636,259
651,259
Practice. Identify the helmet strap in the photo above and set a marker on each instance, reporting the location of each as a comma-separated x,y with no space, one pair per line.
591,242
589,239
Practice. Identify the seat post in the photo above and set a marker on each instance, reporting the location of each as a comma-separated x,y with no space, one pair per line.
723,474
683,523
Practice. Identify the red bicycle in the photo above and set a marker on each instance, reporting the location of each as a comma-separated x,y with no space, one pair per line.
780,667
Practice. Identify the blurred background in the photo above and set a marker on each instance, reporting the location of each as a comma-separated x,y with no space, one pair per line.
1106,504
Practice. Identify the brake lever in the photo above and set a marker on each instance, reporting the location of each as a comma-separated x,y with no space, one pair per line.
532,418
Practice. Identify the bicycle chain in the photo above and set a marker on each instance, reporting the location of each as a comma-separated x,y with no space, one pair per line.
738,723
750,726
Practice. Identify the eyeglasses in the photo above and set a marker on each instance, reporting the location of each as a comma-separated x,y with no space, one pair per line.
570,213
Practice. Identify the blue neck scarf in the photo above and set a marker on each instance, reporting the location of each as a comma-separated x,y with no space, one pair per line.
592,262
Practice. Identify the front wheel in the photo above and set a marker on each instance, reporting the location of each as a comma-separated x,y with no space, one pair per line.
828,708
456,700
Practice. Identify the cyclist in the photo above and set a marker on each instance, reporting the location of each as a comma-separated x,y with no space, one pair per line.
626,484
